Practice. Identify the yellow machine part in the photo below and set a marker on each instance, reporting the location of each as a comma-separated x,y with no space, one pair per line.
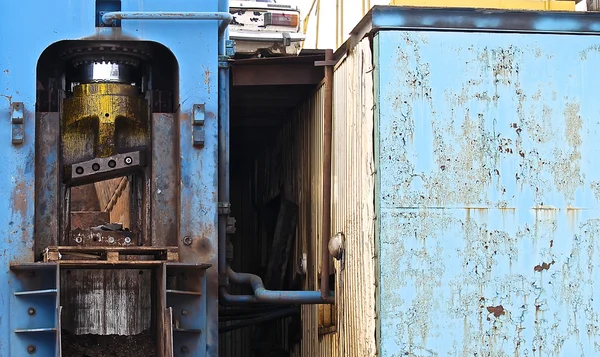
92,115
533,5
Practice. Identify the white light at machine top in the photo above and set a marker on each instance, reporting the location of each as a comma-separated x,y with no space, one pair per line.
106,72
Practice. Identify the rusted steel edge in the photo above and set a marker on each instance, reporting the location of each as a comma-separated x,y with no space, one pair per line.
326,224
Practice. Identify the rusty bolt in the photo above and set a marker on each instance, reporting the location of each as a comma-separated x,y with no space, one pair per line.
184,349
184,312
31,349
111,240
187,240
127,240
31,311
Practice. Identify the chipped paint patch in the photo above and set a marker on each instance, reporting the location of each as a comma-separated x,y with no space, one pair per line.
497,311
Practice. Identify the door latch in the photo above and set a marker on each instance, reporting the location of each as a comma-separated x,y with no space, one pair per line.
17,114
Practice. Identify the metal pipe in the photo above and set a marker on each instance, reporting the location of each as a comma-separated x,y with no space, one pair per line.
326,225
271,296
225,17
267,317
223,149
223,168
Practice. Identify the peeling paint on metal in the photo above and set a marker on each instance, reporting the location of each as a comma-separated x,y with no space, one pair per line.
488,194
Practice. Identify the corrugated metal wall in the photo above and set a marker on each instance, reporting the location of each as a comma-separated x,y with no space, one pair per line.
490,191
352,210
353,200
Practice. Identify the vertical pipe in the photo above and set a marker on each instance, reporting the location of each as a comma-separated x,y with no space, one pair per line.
318,20
223,155
327,123
223,158
337,23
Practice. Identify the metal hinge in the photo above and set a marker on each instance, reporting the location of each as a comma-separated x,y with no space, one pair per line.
198,132
17,113
224,208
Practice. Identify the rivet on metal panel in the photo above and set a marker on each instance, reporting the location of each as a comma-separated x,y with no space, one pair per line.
187,240
198,125
31,311
18,125
31,349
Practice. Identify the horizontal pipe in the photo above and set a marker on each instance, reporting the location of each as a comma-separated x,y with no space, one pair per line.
225,17
276,297
267,317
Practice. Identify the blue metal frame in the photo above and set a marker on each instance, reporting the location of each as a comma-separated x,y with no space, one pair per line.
30,28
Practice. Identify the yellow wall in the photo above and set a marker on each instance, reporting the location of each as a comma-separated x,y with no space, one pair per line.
329,22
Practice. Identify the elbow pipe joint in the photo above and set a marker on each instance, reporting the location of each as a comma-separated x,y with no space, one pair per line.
262,295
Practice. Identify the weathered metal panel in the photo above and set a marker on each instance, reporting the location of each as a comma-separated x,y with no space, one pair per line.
353,200
348,328
488,193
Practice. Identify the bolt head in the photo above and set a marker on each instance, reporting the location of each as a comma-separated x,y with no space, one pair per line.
31,311
31,349
187,240
128,160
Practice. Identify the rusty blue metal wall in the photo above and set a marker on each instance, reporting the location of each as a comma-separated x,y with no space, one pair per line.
488,190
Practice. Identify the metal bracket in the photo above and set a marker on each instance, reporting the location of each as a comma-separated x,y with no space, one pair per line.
198,132
17,113
224,208
229,48
287,40
325,63
223,62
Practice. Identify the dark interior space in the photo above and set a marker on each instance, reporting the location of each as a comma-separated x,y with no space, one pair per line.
265,95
